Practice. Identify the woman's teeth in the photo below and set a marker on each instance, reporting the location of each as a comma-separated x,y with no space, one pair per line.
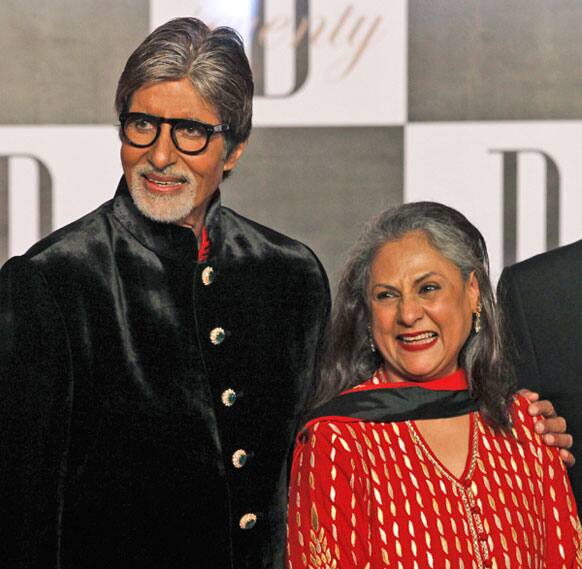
420,338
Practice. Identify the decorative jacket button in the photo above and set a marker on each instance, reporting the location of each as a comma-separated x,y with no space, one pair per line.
208,276
228,397
239,458
248,521
217,335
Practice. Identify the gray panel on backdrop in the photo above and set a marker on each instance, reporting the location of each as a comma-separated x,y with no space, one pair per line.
61,59
495,59
318,185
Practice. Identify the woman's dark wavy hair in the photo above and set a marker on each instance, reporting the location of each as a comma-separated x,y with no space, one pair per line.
347,359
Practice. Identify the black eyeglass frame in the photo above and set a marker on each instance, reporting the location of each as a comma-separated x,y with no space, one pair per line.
158,121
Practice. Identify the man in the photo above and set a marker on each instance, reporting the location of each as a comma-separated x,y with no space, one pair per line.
155,353
543,306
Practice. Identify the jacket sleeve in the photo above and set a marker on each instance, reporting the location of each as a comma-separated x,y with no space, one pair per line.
323,310
516,331
327,522
35,399
310,308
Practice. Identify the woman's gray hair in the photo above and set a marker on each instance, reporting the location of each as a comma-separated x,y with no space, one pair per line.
213,60
347,359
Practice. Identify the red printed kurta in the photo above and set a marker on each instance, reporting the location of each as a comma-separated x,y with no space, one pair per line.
373,495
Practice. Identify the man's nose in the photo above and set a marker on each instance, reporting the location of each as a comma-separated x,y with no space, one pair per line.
410,310
163,152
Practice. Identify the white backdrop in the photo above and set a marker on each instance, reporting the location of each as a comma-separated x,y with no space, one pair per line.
360,105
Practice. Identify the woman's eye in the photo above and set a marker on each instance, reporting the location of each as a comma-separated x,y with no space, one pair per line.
385,294
429,288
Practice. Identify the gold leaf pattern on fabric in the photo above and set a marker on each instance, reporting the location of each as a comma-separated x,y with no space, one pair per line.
387,503
578,529
320,556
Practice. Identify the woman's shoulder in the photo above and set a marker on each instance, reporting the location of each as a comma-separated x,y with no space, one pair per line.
326,440
372,382
331,430
518,411
522,422
523,430
325,418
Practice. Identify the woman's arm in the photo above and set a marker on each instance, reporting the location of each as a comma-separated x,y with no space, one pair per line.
328,524
563,533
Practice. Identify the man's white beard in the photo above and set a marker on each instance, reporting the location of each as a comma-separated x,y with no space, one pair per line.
170,208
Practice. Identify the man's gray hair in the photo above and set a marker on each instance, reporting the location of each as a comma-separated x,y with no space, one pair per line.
213,60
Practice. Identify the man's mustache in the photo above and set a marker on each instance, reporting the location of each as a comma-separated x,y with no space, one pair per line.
169,171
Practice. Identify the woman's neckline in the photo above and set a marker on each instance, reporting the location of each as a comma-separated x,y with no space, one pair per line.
454,381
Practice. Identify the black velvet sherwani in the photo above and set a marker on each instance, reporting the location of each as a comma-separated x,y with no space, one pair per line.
542,300
130,376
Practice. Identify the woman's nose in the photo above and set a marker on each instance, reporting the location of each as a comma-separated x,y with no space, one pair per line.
410,310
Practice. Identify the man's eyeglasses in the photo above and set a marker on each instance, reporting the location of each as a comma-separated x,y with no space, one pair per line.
190,137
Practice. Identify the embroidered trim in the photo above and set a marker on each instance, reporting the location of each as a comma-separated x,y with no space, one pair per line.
467,497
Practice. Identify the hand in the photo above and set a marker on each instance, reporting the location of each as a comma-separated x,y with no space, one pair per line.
552,427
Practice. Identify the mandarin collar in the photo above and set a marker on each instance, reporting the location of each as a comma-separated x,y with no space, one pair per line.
165,239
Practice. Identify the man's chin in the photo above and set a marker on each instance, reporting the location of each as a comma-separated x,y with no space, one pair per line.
163,208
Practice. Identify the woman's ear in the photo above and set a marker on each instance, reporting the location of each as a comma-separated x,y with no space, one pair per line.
473,291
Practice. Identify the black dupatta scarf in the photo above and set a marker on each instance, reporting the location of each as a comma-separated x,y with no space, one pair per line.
386,401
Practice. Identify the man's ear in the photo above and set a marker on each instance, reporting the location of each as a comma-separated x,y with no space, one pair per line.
234,157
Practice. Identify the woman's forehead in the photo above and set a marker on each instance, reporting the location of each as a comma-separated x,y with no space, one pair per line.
409,256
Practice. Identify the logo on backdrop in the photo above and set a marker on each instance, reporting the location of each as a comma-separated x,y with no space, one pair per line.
347,27
44,202
324,62
519,183
510,206
299,31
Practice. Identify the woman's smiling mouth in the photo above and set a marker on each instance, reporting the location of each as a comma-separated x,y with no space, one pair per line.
417,341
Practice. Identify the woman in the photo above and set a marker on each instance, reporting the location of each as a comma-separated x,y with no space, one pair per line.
426,459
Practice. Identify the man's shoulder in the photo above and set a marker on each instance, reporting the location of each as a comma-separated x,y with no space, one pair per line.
268,241
73,237
567,258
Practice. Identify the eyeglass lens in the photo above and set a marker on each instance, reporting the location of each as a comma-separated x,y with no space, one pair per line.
188,136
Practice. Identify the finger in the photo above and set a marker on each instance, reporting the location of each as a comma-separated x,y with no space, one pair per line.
561,441
556,426
567,458
543,408
531,396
